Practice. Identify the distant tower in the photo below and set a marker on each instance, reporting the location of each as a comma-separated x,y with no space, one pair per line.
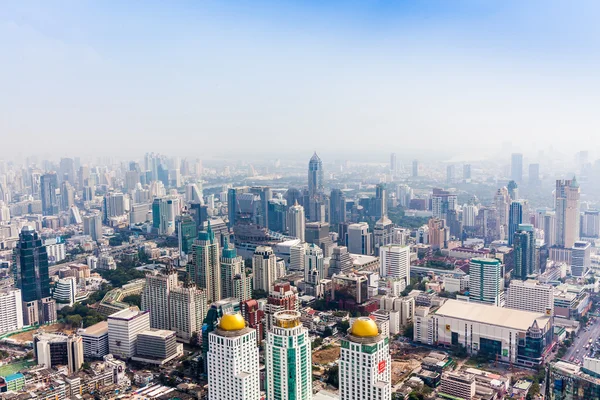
393,164
337,207
415,169
450,174
233,369
48,185
515,218
314,269
155,296
296,221
288,359
467,172
513,190
516,167
205,269
567,212
315,176
264,268
359,239
524,252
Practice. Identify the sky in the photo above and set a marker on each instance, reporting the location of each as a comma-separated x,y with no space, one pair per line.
277,78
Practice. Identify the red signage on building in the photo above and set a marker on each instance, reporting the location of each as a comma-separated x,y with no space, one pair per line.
381,366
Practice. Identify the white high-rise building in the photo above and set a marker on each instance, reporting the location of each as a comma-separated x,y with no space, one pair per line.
567,212
365,364
580,258
296,221
314,267
205,268
233,369
288,360
297,254
394,262
470,212
92,225
359,239
95,340
65,291
188,308
232,266
123,329
155,297
53,350
486,283
264,268
11,310
530,295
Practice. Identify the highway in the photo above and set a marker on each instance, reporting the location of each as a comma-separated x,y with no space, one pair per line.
582,340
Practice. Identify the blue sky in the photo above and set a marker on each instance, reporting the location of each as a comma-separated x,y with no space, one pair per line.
201,78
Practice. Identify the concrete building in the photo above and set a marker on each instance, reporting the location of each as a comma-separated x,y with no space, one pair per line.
65,291
486,281
365,363
296,221
157,346
155,296
264,268
188,307
456,282
458,385
358,239
394,262
288,361
92,226
590,224
233,367
205,268
11,310
574,382
530,295
95,340
524,251
123,330
53,350
383,233
297,255
405,306
567,212
314,266
235,281
442,201
580,258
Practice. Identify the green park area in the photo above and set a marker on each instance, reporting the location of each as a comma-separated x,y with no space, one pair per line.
15,367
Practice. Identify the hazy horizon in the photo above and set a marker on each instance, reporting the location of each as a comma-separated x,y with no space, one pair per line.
265,77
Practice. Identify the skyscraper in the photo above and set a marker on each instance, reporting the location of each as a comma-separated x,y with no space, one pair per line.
502,205
187,307
288,361
264,268
92,225
513,190
314,269
449,174
277,215
359,239
486,283
567,212
580,258
381,199
282,296
415,168
516,167
524,252
233,369
33,278
235,282
393,164
394,262
186,234
515,218
365,367
315,176
155,296
337,207
48,186
467,172
205,268
442,201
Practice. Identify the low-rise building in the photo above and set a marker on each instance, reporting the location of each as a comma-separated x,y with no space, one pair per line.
458,385
157,346
95,340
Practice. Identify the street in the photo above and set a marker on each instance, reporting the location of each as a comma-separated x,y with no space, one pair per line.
581,340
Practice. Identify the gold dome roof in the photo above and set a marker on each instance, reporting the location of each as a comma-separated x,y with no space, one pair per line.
364,327
232,322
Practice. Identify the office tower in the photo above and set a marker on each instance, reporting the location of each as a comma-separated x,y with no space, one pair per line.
547,222
233,204
297,256
157,346
590,224
282,296
382,233
502,205
365,364
337,207
67,170
132,178
114,205
263,194
515,218
293,196
33,278
315,176
11,310
394,262
48,186
155,296
88,193
318,233
67,196
380,201
264,268
534,174
74,216
92,226
442,201
235,282
4,212
188,307
277,215
314,269
233,367
524,252
438,233
288,360
53,350
186,233
164,211
83,176
193,194
65,290
393,164
513,190
449,174
516,167
359,239
580,258
486,282
95,340
530,295
405,195
205,268
123,329
415,168
467,172
567,212
470,212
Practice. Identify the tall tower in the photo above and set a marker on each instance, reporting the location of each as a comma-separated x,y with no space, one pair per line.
515,218
394,262
337,207
264,268
486,284
516,167
288,359
393,164
205,268
314,269
235,282
524,252
233,369
359,239
296,221
33,278
567,212
188,307
365,370
415,168
155,296
315,176
48,186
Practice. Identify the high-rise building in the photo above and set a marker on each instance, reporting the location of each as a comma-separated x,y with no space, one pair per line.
318,233
296,221
438,233
415,168
288,360
67,196
341,261
365,366
123,329
381,200
297,252
456,385
235,282
470,212
277,215
394,262
580,258
502,205
233,368
530,295
92,225
525,260
155,296
33,278
567,212
515,218
11,310
53,350
337,207
233,204
186,233
516,167
590,224
164,211
382,233
65,291
534,174
467,172
216,311
282,296
513,190
264,268
315,176
486,282
358,239
188,308
449,174
114,205
442,201
67,170
95,340
314,268
205,268
393,164
48,186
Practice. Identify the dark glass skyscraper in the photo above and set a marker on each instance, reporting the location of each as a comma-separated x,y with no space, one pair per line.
48,186
315,176
515,217
524,252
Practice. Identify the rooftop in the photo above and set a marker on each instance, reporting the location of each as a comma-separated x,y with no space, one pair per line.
95,330
159,333
127,314
492,315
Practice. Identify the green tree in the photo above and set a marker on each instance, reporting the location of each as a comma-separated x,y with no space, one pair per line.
327,332
259,294
409,331
316,343
333,378
74,320
343,326
133,299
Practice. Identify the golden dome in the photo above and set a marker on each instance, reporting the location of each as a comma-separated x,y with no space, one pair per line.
232,322
364,327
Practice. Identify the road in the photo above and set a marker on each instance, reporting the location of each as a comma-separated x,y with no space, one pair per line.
582,340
